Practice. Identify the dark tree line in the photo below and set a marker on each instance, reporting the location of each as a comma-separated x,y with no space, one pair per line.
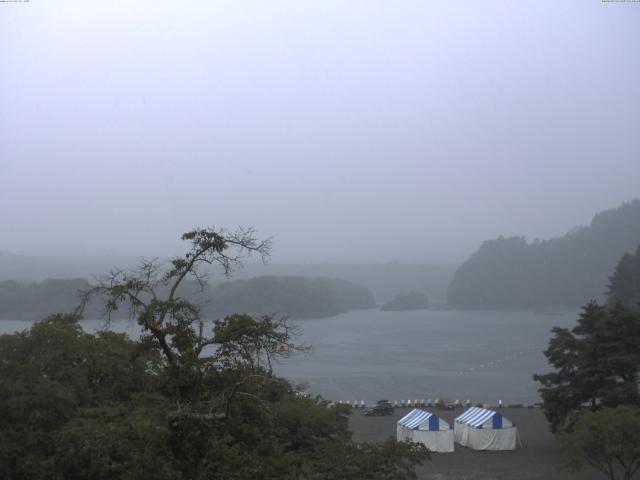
407,301
596,364
592,398
624,284
34,301
296,297
567,271
189,400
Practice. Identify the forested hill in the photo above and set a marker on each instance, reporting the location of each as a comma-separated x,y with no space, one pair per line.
384,279
37,300
406,301
295,297
566,271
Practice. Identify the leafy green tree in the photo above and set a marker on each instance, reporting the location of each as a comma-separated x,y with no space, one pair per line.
592,400
189,400
607,440
53,373
390,460
624,284
169,321
125,441
596,364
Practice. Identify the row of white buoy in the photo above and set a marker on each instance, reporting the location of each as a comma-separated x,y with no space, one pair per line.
431,403
410,403
499,360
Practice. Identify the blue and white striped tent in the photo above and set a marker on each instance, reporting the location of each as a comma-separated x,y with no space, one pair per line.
483,429
426,428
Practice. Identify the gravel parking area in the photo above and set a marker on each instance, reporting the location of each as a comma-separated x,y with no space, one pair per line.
537,459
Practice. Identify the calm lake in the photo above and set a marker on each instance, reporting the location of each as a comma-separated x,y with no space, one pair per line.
484,356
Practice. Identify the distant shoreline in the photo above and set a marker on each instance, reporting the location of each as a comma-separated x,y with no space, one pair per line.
552,312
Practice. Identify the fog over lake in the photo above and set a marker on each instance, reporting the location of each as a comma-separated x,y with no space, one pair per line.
477,355
399,131
484,356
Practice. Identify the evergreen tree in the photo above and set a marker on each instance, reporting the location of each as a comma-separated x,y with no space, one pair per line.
189,400
606,440
624,284
565,271
596,364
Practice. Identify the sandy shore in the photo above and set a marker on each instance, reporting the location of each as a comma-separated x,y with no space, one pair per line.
538,459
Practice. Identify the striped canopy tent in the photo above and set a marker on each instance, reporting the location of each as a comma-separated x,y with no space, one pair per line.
482,429
424,427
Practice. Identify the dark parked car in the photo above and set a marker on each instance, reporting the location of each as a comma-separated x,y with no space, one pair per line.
383,407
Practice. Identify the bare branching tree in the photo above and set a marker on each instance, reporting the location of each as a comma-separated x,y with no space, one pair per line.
247,342
242,348
151,291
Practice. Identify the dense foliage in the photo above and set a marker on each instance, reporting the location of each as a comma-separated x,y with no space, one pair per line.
624,284
34,301
296,297
607,440
567,271
383,279
596,364
81,406
592,399
189,400
60,388
407,301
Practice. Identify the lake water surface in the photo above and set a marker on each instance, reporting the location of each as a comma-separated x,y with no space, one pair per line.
484,356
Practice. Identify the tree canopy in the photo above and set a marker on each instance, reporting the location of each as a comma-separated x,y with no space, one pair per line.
596,364
624,284
189,400
292,296
295,297
592,398
606,440
407,301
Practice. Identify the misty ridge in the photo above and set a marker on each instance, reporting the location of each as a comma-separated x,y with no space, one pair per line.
406,301
285,296
504,273
33,287
383,279
236,233
560,272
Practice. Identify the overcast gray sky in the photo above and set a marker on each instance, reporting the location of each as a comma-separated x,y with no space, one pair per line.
347,130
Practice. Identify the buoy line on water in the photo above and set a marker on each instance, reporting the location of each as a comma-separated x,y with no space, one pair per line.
491,363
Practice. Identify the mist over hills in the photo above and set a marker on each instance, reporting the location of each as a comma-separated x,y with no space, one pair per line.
406,301
36,268
567,271
383,279
503,273
37,300
287,296
32,287
297,297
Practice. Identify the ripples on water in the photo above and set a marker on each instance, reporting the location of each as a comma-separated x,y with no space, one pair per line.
484,356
